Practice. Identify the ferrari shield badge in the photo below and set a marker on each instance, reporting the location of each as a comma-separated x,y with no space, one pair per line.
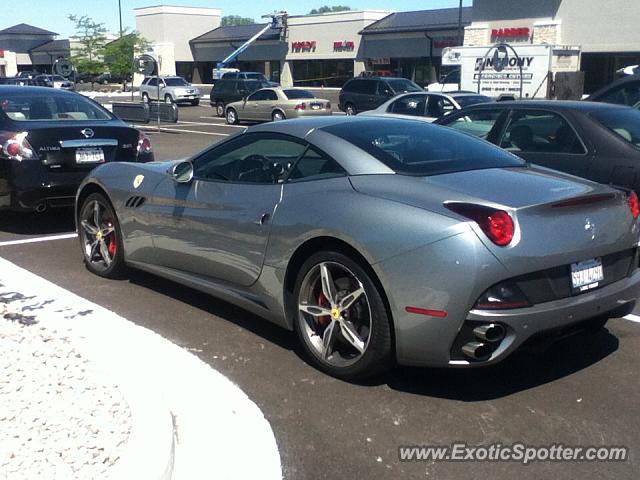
138,181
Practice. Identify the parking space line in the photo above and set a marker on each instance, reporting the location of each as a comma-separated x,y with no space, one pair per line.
165,129
39,239
210,124
632,317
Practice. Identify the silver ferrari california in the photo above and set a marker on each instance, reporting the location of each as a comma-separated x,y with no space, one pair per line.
377,240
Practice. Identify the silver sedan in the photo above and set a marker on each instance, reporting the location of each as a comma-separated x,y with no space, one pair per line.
277,104
376,240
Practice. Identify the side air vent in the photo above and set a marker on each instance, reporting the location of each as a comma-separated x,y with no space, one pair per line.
134,202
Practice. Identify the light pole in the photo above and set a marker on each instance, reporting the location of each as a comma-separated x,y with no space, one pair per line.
460,39
120,14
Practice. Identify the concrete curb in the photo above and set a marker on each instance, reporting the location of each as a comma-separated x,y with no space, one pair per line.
188,420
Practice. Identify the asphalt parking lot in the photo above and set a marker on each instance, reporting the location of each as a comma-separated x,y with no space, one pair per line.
582,391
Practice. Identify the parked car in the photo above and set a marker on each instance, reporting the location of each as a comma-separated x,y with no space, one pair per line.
172,90
27,74
56,81
593,140
277,104
427,105
367,93
625,91
51,139
229,90
107,78
85,77
23,81
449,82
375,239
238,75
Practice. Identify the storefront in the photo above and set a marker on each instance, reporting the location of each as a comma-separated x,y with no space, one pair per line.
608,41
409,44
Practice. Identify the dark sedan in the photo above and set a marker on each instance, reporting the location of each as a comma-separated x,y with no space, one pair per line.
597,141
51,139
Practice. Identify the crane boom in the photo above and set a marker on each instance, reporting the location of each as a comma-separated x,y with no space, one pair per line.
243,47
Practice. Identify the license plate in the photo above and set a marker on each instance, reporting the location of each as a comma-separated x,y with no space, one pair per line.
89,155
315,106
586,275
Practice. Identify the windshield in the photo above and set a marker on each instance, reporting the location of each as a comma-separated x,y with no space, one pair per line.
31,107
624,122
296,94
422,149
255,76
468,100
176,82
401,85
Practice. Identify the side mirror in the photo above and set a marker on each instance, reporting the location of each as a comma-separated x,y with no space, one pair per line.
182,172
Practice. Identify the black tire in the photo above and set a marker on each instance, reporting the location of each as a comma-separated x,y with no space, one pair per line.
377,356
195,103
145,97
168,99
278,115
350,109
220,109
232,116
116,268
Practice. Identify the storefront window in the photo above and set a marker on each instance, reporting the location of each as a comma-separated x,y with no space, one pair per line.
321,73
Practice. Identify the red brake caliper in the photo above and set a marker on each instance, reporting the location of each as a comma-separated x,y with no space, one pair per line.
323,321
111,246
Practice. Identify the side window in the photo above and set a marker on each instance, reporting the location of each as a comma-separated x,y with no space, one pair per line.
270,95
627,95
315,165
153,82
409,105
349,86
438,105
356,86
540,132
478,123
383,88
251,158
257,96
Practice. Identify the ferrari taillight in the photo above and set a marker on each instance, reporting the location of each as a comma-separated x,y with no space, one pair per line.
496,224
15,146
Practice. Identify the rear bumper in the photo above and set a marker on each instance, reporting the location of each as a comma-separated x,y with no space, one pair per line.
555,317
308,113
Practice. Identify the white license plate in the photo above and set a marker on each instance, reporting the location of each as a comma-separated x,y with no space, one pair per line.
89,155
586,275
315,106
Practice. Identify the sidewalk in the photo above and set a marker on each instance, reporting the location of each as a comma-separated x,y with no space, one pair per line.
85,393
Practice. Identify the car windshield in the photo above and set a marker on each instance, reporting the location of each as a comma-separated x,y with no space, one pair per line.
468,100
422,149
33,107
175,82
255,76
624,122
296,94
401,85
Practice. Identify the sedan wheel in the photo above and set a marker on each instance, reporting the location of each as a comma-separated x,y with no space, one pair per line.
145,97
168,99
341,318
277,116
100,237
232,117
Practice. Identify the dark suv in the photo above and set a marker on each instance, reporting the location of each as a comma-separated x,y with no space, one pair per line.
228,90
367,93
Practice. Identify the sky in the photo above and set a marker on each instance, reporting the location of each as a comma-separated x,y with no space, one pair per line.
52,14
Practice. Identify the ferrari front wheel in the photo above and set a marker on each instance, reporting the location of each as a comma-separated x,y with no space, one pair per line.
341,318
101,237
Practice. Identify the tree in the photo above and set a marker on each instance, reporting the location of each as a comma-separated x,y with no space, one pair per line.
327,9
90,39
119,54
229,20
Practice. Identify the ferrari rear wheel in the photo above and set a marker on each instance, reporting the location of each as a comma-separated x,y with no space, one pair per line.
341,318
101,237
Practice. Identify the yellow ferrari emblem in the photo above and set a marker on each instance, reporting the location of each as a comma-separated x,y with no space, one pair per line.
335,313
138,181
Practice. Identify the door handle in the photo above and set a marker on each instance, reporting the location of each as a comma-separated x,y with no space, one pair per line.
264,218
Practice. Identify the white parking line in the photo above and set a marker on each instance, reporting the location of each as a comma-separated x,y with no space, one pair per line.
165,129
39,239
210,124
632,317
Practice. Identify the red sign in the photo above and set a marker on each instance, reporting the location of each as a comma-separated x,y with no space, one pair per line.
303,46
1,53
344,46
445,42
520,32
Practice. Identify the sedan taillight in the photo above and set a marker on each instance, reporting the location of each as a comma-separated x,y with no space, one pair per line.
15,146
328,105
496,224
144,144
634,204
300,106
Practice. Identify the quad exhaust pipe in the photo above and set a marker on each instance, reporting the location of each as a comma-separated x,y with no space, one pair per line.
477,350
491,332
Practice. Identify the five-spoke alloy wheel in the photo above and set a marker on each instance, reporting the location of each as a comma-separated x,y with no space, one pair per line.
341,318
100,237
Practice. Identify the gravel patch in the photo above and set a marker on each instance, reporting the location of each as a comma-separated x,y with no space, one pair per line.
60,416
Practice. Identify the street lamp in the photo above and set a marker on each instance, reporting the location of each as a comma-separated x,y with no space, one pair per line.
460,39
120,14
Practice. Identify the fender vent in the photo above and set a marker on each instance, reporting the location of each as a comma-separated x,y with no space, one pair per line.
134,202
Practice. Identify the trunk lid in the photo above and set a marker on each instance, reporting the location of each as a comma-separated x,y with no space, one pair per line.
559,219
